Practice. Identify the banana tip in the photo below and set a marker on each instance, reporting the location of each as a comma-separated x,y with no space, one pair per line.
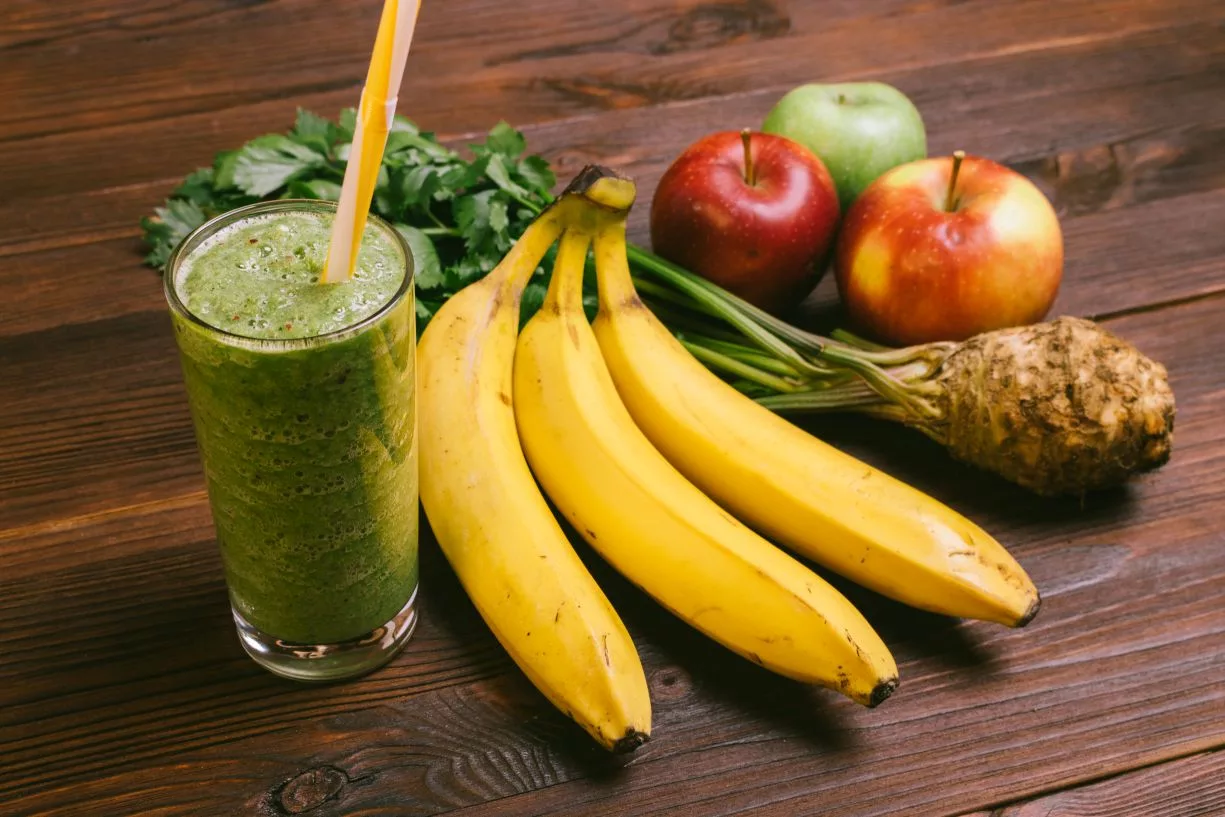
1032,611
630,741
882,691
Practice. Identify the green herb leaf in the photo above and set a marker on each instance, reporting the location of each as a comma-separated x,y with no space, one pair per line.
404,141
472,218
197,187
323,189
419,186
311,130
223,169
459,214
505,140
347,122
168,227
427,270
267,164
404,124
535,172
499,172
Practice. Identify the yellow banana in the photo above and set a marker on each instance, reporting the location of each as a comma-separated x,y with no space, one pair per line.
789,485
659,530
495,527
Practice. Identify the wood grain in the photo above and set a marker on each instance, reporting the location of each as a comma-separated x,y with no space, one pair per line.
112,655
1146,157
1132,76
535,62
1187,787
122,687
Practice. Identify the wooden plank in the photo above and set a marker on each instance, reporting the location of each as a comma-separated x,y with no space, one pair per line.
123,685
98,418
1187,787
1086,154
537,61
173,142
1141,159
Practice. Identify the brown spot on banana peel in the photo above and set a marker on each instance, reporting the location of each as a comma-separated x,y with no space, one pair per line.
1030,613
881,692
630,741
607,659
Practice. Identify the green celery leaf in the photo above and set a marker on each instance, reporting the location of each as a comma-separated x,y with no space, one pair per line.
168,227
535,173
463,176
417,187
497,169
505,140
457,276
311,130
402,124
268,163
411,141
498,219
425,311
313,189
427,272
473,216
459,217
347,123
197,187
223,169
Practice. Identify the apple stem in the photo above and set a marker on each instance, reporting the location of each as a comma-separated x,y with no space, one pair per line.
750,177
950,200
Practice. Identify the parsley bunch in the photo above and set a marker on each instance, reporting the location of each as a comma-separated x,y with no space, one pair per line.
459,215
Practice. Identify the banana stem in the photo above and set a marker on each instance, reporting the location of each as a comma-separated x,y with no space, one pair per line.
566,287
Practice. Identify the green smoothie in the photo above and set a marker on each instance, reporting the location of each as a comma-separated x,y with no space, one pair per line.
302,395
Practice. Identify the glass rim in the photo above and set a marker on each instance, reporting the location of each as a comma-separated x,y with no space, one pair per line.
206,230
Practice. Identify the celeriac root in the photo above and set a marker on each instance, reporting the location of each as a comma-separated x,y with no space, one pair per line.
1060,408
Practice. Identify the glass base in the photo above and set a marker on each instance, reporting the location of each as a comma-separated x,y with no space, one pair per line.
329,662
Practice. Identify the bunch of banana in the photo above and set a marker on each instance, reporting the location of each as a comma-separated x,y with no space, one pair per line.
648,455
663,534
820,502
491,521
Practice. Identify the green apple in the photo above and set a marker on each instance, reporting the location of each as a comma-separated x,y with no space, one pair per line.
858,129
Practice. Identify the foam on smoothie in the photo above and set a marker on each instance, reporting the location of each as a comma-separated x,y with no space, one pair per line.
259,278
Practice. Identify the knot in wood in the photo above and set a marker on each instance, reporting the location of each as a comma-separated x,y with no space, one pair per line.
310,789
714,24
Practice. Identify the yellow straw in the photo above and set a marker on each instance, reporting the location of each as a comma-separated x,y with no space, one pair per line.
378,106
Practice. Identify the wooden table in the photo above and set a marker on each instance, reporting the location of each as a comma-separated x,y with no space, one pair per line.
122,687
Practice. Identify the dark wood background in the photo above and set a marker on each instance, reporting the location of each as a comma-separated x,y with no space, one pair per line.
122,687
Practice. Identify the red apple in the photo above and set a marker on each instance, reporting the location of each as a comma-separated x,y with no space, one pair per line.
753,212
943,249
